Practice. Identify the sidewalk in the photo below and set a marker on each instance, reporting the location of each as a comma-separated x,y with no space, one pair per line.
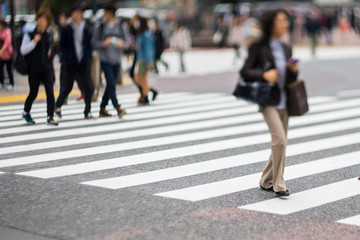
199,62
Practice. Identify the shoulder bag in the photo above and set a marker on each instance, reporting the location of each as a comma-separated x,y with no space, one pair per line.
297,104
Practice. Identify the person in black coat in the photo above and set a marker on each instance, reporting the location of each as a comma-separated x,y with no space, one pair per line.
270,60
159,47
37,47
76,50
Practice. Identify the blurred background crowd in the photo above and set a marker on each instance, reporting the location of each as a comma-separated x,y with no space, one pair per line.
208,23
203,17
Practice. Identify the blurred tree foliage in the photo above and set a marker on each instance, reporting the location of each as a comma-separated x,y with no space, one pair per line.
57,6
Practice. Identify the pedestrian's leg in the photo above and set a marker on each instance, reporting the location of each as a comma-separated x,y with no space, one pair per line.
70,78
275,124
34,83
182,65
106,96
165,64
2,72
9,71
84,71
49,89
111,74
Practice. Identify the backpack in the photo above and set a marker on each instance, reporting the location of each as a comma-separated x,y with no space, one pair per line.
21,64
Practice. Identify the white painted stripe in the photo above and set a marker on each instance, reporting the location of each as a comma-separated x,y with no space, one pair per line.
178,139
171,103
141,116
327,164
178,152
324,128
308,199
176,103
355,220
308,119
119,125
138,133
122,98
349,93
73,123
2,173
220,188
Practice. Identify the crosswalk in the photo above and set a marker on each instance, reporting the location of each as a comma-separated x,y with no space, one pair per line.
191,147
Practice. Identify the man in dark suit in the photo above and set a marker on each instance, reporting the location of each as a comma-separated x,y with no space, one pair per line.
75,46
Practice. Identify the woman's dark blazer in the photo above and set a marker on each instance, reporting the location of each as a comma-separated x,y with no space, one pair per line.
253,69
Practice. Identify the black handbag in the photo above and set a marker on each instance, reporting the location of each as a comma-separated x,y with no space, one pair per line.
297,104
255,91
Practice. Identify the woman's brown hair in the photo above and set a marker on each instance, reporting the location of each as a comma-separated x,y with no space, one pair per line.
3,23
45,13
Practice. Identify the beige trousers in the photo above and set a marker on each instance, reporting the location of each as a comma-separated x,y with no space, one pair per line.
273,174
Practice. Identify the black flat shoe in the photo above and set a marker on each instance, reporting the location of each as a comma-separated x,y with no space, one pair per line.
283,193
270,189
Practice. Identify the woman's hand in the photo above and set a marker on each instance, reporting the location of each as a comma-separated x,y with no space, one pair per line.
120,44
107,42
294,67
37,38
271,75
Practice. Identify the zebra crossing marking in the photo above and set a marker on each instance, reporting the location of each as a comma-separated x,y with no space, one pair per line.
142,113
247,182
123,98
233,185
318,129
323,112
355,220
164,155
308,199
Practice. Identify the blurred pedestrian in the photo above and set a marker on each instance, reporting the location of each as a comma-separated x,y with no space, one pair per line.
133,33
109,39
6,54
313,30
159,47
235,38
181,42
145,51
75,47
38,46
221,33
268,60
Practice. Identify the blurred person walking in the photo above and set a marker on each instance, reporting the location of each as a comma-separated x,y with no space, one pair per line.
221,33
145,52
133,32
75,47
159,47
37,48
268,60
181,42
312,26
6,54
235,38
109,40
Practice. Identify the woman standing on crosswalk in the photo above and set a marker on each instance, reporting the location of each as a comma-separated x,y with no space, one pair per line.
281,70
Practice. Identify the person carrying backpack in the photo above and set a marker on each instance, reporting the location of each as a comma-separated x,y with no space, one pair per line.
37,47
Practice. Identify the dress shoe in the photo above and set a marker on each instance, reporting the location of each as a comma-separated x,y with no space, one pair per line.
283,193
270,189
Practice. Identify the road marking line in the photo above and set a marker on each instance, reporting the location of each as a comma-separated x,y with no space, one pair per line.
216,189
133,108
295,149
355,220
308,199
246,182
